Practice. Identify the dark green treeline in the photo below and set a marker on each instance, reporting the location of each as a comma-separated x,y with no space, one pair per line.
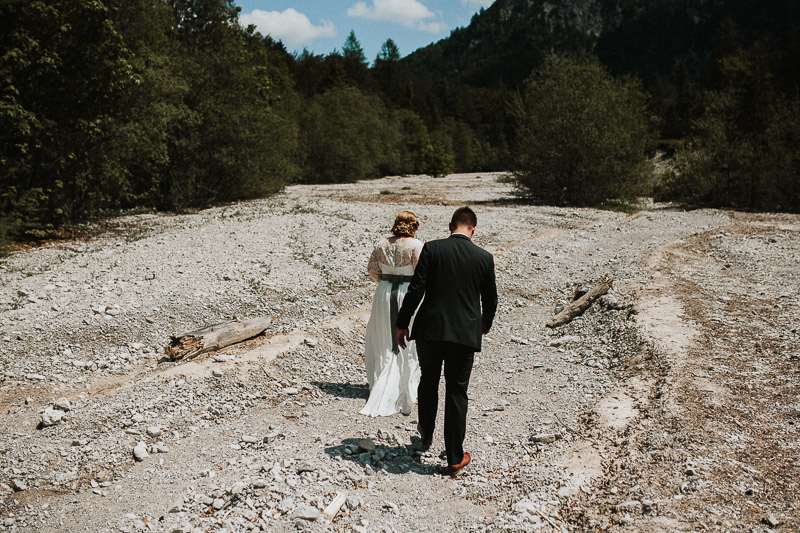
110,105
118,104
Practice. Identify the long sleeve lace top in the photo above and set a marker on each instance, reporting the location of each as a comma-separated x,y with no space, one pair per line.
393,252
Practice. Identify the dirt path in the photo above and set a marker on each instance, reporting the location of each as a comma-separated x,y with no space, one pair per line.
591,426
717,447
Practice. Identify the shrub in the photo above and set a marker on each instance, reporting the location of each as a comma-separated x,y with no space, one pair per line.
728,164
437,161
581,135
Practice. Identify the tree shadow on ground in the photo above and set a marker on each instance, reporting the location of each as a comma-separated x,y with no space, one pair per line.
343,390
391,459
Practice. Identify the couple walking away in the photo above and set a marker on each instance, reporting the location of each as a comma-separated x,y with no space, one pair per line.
433,303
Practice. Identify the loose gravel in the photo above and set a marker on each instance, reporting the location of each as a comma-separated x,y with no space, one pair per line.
647,412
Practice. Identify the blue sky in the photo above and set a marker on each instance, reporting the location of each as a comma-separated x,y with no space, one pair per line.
323,25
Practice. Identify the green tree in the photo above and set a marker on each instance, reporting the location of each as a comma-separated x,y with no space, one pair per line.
581,135
437,160
743,150
389,52
238,144
391,77
355,62
64,73
415,141
349,136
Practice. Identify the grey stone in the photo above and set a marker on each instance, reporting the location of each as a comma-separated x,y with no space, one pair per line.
545,438
63,404
566,339
353,502
51,417
366,445
286,505
218,504
18,485
306,512
249,439
154,431
630,506
140,452
304,467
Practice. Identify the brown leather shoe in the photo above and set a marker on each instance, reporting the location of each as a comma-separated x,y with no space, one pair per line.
455,470
425,441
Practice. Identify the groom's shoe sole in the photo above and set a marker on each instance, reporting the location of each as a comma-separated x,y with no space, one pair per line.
455,470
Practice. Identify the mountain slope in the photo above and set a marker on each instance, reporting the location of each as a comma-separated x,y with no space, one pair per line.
503,43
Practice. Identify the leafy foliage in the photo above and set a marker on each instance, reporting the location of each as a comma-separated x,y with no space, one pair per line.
582,135
171,104
63,72
436,160
348,136
743,152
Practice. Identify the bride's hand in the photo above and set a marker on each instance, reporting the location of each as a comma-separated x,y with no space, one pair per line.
402,338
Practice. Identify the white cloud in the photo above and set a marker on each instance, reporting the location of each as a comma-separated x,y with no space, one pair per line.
290,26
409,13
477,3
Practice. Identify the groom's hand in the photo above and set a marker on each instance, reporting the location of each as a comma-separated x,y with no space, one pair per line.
402,338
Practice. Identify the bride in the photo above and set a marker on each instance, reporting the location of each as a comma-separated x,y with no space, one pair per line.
392,372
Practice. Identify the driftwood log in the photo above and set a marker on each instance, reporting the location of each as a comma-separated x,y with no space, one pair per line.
580,305
189,345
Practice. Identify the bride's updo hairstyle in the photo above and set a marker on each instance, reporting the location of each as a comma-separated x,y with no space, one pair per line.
405,224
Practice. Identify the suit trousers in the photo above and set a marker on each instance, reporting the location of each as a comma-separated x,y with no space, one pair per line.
457,360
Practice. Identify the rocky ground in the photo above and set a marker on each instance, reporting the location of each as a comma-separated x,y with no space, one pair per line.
670,405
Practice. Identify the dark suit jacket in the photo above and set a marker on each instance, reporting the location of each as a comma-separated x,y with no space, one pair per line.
455,276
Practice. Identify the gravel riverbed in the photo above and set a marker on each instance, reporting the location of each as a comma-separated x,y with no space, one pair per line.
670,405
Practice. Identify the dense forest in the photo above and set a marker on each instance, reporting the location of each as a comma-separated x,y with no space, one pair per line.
115,105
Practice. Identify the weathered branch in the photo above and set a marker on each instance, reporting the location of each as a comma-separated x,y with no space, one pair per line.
212,338
580,305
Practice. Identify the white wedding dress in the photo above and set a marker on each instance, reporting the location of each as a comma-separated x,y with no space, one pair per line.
392,372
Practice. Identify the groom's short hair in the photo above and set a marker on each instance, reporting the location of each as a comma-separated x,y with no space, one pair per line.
464,216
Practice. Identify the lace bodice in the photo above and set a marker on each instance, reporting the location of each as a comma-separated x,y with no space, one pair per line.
392,255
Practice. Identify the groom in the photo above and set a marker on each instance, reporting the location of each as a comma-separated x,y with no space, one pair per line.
456,277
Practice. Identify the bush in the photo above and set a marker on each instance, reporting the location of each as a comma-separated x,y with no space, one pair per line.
437,161
733,162
348,136
582,135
